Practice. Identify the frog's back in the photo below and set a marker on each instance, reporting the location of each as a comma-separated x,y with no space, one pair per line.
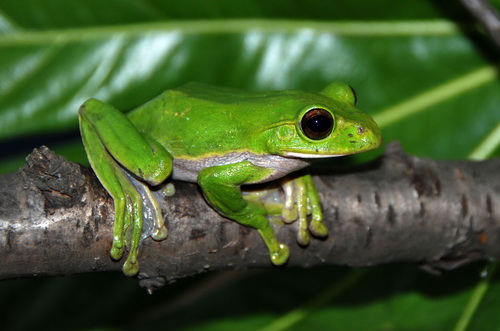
197,119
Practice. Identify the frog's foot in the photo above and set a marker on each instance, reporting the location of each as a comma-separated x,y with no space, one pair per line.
288,211
278,252
137,216
269,198
301,202
128,226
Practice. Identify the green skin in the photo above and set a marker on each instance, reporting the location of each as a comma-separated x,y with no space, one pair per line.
221,138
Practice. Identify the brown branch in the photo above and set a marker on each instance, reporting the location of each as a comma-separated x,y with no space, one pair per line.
487,15
56,219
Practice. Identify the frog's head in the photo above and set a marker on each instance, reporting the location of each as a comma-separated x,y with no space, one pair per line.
327,125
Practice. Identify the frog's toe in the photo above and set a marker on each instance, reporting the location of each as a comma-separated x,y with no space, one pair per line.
160,233
116,251
289,215
281,256
303,238
131,267
318,228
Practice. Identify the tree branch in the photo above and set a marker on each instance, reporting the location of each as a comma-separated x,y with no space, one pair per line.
488,16
56,219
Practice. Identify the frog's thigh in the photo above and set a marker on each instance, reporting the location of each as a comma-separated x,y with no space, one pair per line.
144,157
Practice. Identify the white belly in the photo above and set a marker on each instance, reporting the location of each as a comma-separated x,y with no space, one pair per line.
188,170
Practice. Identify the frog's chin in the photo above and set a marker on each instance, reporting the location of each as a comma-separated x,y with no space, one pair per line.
310,156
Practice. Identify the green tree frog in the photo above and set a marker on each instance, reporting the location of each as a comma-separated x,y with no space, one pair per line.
222,139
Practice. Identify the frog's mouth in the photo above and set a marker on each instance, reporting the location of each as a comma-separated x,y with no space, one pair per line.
311,156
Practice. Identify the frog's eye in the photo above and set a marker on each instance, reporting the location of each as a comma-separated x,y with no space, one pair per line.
317,123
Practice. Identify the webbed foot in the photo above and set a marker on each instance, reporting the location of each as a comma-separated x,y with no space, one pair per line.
301,204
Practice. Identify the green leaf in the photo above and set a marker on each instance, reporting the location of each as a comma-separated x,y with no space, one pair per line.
419,67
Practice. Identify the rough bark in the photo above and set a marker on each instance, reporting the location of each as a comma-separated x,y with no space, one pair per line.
56,219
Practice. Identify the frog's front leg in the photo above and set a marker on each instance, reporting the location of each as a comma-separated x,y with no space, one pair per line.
117,151
221,187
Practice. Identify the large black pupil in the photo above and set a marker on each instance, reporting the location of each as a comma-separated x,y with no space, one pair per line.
319,123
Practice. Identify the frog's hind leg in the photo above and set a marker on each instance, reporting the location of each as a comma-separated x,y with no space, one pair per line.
122,157
127,201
